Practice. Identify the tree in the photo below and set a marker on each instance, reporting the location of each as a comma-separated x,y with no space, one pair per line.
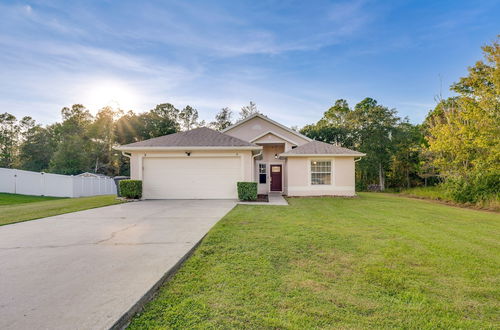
248,110
37,146
463,133
161,120
71,157
333,126
9,135
369,128
101,132
405,160
373,125
222,119
129,128
188,118
74,152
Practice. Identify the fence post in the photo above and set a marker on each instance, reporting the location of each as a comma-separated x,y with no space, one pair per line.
42,183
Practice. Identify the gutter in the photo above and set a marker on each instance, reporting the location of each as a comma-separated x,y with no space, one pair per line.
322,155
130,149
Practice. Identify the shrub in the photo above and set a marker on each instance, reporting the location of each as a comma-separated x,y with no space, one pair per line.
131,188
473,189
247,191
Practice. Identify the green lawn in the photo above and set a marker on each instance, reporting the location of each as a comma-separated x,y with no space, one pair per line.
10,199
17,208
378,261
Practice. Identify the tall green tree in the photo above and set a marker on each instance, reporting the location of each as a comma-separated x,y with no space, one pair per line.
369,128
464,132
334,126
248,110
374,126
73,142
9,137
222,119
189,118
404,169
162,120
102,136
37,146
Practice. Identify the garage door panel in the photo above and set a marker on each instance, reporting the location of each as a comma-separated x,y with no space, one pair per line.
191,178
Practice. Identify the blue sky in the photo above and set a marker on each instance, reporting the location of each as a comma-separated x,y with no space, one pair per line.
292,58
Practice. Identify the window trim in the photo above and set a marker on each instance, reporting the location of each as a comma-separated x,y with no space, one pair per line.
258,172
311,172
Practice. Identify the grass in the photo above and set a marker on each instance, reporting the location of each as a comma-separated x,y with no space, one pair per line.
439,193
378,261
434,192
17,208
10,199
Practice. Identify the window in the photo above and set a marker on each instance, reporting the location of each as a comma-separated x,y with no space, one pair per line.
262,173
321,172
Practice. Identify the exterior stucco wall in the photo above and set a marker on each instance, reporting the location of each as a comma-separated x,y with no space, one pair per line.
299,177
258,126
137,158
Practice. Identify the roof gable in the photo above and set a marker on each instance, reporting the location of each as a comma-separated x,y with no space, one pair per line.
272,137
198,137
257,124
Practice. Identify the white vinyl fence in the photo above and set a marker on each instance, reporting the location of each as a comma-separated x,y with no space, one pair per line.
47,184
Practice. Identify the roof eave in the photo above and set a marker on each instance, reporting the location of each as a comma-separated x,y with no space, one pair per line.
125,148
322,155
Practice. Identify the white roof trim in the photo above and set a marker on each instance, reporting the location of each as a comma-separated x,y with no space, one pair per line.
261,116
322,155
275,134
186,148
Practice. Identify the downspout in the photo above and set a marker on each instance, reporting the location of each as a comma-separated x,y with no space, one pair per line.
128,156
357,160
253,163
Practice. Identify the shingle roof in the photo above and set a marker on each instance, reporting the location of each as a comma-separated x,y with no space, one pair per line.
320,148
198,137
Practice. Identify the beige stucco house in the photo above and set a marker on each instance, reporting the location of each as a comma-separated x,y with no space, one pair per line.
203,163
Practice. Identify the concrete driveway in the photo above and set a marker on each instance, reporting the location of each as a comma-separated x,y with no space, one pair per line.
85,270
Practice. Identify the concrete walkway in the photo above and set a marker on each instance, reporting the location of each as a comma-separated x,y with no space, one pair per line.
84,270
274,199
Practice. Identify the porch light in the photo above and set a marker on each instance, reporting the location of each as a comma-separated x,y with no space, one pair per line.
275,156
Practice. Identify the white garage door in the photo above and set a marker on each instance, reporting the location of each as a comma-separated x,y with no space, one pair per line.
191,178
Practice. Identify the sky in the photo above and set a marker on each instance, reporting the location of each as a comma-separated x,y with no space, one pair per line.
292,58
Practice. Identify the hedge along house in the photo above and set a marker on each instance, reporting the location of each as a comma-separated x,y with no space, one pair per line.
206,164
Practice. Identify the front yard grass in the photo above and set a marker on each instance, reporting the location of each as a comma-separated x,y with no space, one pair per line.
10,199
378,261
17,208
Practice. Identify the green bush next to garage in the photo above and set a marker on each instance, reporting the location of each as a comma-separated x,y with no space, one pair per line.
247,191
131,188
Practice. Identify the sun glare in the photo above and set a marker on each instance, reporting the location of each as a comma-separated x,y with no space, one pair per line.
110,93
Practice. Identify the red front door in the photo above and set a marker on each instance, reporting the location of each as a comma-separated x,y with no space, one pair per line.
276,178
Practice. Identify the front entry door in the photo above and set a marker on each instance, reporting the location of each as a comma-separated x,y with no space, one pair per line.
276,178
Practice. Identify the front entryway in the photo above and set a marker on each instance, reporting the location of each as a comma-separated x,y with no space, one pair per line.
276,178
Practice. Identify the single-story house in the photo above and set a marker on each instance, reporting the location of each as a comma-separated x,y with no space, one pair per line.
204,163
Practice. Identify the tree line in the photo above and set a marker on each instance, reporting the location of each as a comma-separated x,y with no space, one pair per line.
82,142
457,145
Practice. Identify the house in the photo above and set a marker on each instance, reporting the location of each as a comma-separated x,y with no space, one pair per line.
204,163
